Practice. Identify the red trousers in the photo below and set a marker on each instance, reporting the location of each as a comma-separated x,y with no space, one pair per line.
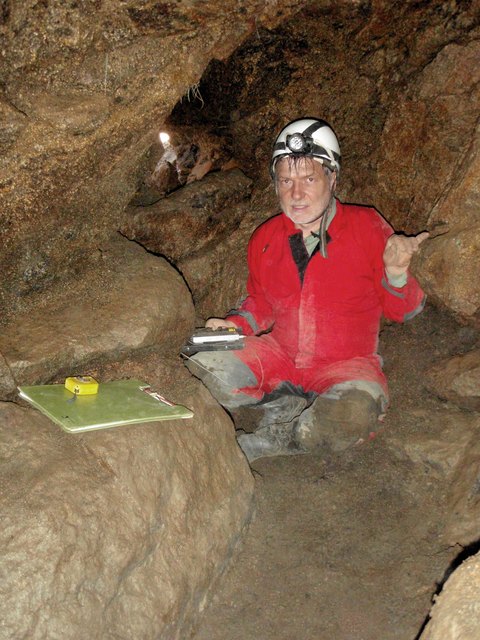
271,366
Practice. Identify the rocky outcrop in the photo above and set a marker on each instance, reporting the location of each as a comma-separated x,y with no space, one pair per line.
457,379
449,264
85,91
217,275
192,218
117,533
133,301
449,452
426,143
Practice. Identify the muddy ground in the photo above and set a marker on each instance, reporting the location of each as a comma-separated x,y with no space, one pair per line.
349,547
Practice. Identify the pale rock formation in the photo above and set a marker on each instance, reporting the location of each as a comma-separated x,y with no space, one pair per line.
456,612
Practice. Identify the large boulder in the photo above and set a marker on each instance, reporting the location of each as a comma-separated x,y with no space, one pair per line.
121,533
116,533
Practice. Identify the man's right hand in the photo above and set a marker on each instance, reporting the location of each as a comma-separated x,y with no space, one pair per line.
219,323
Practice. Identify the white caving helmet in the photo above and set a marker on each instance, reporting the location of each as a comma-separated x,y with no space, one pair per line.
307,137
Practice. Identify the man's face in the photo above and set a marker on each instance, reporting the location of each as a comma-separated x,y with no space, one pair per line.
304,191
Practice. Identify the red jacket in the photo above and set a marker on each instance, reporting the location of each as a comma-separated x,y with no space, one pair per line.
335,313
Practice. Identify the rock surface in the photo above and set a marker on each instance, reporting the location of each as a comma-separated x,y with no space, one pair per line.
450,452
217,276
7,382
83,89
457,379
448,265
461,525
456,614
191,218
86,92
143,302
117,534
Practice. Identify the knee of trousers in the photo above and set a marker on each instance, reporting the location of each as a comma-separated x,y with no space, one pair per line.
338,422
223,374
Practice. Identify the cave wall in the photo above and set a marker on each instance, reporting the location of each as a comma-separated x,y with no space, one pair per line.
83,87
86,88
398,82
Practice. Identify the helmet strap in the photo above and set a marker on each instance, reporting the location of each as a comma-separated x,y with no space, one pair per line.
324,222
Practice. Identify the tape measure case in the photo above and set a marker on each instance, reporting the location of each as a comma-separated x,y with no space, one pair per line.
82,385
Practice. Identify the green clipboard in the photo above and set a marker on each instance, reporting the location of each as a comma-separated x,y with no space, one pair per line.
117,403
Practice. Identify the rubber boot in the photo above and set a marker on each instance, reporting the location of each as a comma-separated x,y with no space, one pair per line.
282,410
274,435
338,423
266,443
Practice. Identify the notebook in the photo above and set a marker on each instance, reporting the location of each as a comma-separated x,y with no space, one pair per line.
117,403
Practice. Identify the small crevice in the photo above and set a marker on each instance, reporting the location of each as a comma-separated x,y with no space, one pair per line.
14,106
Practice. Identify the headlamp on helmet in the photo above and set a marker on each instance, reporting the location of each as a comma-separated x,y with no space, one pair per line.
298,143
307,137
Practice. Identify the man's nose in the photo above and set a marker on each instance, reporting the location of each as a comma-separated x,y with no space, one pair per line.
297,190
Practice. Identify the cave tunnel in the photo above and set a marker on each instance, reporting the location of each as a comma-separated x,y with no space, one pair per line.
136,143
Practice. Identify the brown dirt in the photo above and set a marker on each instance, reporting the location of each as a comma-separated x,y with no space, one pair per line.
348,547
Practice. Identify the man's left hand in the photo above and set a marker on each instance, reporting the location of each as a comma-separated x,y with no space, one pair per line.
399,251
